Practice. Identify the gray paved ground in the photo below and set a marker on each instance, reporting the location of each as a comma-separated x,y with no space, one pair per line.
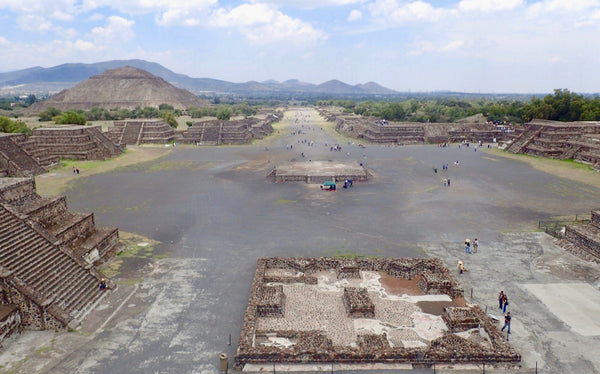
220,214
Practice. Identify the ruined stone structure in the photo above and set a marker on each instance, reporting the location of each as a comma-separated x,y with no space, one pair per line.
584,240
372,130
217,132
47,255
72,142
579,141
300,336
141,131
10,320
18,159
319,172
358,303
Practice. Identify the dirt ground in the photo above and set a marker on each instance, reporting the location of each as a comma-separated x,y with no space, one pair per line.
212,213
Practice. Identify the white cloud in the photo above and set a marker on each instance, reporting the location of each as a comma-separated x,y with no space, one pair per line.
118,29
399,13
452,46
354,15
311,4
488,6
263,24
32,22
561,6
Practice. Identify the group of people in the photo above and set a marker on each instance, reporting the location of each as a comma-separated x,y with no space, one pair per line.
75,170
502,304
468,245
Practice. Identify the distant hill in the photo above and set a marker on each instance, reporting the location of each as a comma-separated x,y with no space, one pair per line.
54,79
125,87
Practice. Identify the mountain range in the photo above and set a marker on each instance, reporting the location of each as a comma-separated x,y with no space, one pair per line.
51,80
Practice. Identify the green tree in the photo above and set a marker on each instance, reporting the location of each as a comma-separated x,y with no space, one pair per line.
166,107
10,126
70,118
223,113
49,113
169,118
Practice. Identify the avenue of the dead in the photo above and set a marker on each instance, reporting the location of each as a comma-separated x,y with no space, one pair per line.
213,213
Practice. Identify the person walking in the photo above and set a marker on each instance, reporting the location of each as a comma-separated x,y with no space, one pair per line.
467,245
505,302
507,319
475,245
461,267
500,300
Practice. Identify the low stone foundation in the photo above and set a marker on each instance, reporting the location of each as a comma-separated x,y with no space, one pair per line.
316,311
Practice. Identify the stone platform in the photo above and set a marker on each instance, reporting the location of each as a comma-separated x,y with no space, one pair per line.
319,172
387,315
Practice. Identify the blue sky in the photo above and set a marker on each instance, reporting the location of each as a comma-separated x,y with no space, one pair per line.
516,46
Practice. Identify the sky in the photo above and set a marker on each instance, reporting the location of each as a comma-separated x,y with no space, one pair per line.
487,46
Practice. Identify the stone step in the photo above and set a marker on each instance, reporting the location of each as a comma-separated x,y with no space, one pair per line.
49,258
32,251
87,294
65,294
16,250
62,274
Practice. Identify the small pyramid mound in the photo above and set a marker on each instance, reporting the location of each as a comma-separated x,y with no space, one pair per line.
124,87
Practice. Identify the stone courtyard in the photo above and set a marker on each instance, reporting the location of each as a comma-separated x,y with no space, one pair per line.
180,304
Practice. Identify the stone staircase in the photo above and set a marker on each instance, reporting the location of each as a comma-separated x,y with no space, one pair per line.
15,160
523,140
73,142
131,133
38,271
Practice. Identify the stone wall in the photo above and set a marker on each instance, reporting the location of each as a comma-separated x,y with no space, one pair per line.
315,347
358,303
10,320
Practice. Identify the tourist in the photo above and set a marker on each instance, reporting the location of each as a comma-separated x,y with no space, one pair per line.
505,302
507,319
74,170
461,267
102,283
448,182
475,245
468,246
500,299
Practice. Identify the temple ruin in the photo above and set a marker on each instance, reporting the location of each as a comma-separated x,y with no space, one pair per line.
579,141
217,132
72,142
47,259
584,240
141,131
318,172
376,130
364,311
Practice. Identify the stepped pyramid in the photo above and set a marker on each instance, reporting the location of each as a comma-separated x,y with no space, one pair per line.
47,256
124,87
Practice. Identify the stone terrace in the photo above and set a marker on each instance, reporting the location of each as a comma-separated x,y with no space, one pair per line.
372,130
18,161
328,318
318,172
217,132
42,270
75,231
584,240
72,142
579,141
141,131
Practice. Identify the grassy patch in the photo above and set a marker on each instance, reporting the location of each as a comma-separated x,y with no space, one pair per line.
55,182
130,282
286,201
567,169
135,245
